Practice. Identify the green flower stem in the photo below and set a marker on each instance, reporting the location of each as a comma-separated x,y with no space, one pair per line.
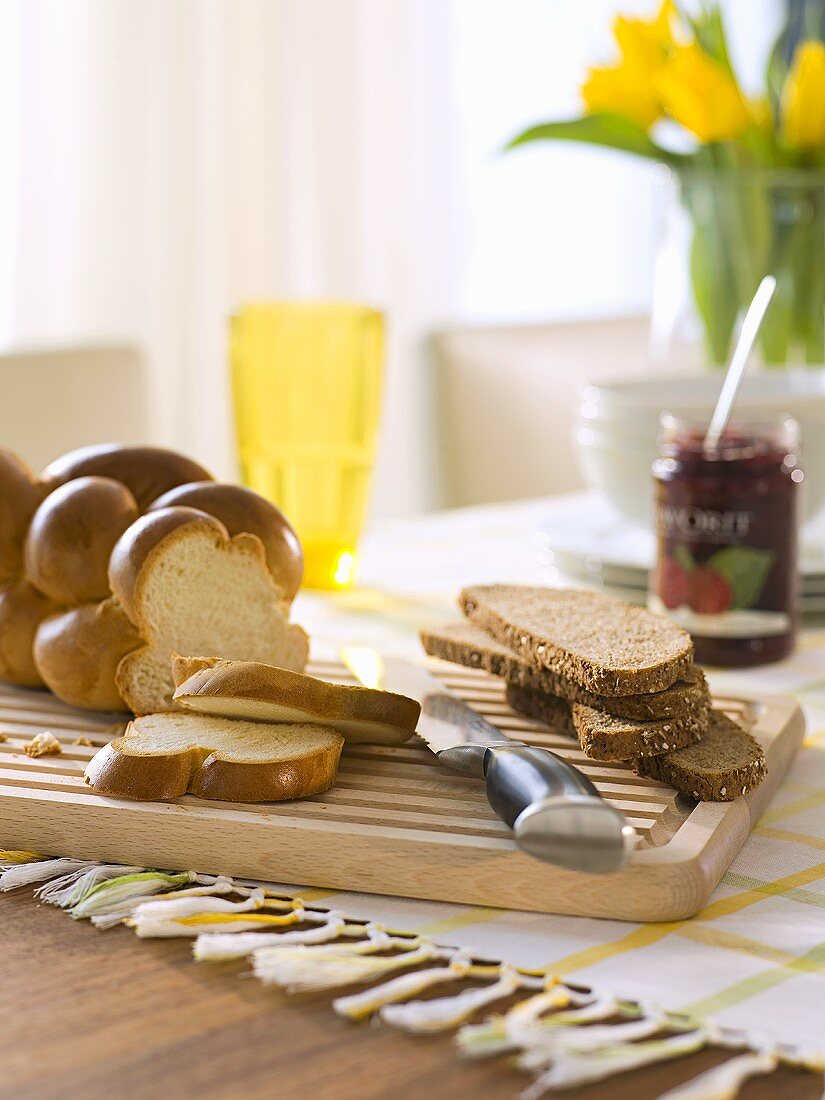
712,282
777,329
813,325
743,229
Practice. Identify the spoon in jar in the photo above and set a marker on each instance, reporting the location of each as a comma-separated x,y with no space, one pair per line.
738,362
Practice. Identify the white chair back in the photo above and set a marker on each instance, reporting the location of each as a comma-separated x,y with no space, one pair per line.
506,399
55,399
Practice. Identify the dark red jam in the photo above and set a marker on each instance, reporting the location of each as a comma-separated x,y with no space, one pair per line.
726,524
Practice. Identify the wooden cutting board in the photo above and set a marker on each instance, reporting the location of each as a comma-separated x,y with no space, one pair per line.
396,822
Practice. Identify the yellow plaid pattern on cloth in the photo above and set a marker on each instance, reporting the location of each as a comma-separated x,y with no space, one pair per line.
754,957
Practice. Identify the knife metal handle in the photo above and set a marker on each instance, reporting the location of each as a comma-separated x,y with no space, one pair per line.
519,776
554,810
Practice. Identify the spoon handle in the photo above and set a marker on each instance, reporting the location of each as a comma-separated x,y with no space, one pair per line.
739,360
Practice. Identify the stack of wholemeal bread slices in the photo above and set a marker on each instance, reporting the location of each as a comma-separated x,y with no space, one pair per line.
619,678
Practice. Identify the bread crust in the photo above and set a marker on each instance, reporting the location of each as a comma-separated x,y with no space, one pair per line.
393,716
134,549
146,471
227,781
115,772
71,536
726,764
241,510
77,653
602,644
145,778
20,494
605,736
22,609
465,644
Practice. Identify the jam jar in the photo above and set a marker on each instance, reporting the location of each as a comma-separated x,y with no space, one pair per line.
726,533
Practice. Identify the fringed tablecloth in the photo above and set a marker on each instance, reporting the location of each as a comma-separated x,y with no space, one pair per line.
752,959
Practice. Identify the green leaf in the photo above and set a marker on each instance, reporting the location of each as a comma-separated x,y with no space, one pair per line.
776,69
612,131
709,28
684,557
713,289
745,569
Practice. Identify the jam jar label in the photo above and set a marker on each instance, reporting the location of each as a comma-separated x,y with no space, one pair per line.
726,525
705,524
708,579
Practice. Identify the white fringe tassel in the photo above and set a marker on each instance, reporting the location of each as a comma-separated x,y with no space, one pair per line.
724,1082
360,1005
557,1032
70,889
24,874
223,946
571,1069
445,1013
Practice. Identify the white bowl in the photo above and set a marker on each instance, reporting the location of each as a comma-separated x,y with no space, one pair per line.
617,431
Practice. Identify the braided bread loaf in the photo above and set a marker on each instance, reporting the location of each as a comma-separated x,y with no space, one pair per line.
117,556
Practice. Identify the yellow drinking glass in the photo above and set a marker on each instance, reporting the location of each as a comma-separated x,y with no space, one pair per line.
306,381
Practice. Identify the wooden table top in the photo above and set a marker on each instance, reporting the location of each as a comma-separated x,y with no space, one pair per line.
106,1015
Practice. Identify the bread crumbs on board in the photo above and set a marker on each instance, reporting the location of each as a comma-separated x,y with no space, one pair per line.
83,741
43,744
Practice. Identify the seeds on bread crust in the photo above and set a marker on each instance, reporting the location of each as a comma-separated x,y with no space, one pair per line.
608,737
727,763
605,736
600,643
466,644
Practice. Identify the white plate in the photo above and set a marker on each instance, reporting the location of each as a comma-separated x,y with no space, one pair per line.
585,539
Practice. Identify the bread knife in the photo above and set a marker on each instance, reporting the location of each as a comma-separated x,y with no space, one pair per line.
555,812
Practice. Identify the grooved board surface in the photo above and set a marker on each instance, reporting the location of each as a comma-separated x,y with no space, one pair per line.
396,822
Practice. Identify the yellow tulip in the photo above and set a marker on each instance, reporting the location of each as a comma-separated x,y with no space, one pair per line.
803,98
700,94
644,42
620,90
629,87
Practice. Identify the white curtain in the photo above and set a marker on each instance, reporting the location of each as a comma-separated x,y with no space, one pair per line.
168,159
165,160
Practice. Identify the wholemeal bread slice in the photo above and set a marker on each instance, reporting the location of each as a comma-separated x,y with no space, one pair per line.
601,643
605,736
608,737
726,763
544,707
465,644
190,588
163,756
260,692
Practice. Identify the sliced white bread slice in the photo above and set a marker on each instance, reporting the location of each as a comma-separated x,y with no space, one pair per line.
163,756
263,693
189,588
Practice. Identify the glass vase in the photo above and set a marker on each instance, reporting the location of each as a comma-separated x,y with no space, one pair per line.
720,232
